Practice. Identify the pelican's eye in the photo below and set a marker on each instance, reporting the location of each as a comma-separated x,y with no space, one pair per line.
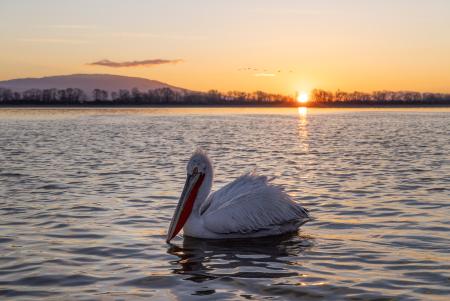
195,171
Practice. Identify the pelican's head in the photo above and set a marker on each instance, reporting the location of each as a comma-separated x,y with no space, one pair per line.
199,162
198,167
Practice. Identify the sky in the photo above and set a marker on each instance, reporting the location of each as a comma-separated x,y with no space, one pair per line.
279,46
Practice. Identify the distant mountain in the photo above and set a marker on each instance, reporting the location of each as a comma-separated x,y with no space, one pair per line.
87,83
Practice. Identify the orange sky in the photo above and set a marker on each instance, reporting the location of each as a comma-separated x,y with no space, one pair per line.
289,45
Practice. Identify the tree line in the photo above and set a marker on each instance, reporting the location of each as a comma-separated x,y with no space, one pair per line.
326,98
163,96
167,96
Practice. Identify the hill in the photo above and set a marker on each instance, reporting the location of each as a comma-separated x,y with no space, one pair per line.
87,83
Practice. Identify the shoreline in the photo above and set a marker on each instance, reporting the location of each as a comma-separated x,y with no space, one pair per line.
343,106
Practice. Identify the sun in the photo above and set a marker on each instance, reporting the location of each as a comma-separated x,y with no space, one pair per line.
303,97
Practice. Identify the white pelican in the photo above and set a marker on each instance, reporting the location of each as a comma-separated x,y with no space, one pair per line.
250,206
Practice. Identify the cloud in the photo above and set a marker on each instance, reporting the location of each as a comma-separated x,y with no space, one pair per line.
150,63
148,35
264,75
70,26
52,41
289,11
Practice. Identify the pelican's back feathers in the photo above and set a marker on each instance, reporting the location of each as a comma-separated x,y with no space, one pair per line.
250,203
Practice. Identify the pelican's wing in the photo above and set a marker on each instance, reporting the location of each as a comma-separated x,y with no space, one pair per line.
243,184
248,204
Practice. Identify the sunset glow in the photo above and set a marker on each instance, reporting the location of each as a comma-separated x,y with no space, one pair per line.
303,97
188,44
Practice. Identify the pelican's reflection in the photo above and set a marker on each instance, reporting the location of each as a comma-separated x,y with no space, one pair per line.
254,258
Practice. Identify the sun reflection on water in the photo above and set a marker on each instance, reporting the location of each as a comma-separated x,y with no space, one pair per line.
303,129
302,111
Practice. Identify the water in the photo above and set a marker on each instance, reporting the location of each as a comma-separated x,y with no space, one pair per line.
86,197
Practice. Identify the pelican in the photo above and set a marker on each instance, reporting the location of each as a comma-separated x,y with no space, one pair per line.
250,206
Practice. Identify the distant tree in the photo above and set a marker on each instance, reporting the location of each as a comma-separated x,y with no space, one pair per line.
33,95
100,95
49,96
124,96
136,95
6,95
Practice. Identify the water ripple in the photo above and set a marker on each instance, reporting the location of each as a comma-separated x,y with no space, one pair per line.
87,195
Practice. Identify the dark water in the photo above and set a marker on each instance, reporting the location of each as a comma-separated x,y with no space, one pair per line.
86,197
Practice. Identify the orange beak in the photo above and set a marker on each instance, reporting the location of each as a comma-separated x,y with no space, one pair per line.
185,204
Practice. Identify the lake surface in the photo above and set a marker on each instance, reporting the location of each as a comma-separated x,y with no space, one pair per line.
86,197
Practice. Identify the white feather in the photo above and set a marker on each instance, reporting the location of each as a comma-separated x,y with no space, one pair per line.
248,204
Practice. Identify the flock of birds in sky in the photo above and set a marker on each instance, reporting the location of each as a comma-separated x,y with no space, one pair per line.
262,72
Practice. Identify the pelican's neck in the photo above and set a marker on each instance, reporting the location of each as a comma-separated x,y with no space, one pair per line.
204,191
